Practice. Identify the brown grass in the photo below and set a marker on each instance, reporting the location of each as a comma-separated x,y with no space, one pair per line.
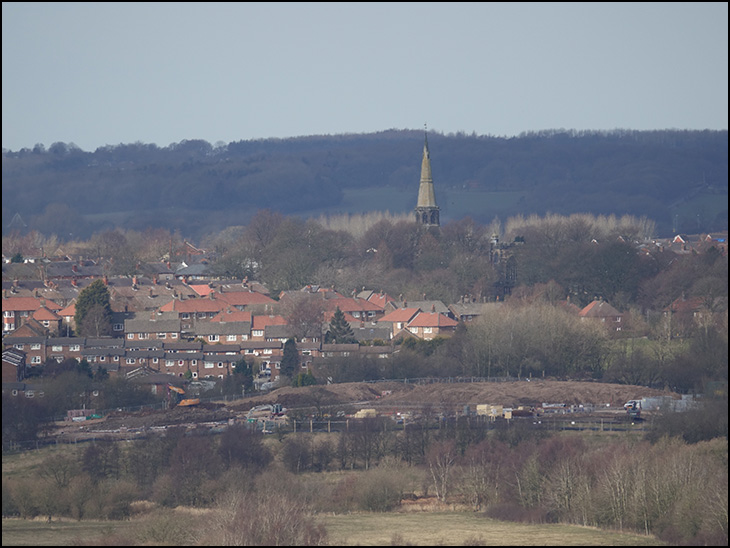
464,529
356,529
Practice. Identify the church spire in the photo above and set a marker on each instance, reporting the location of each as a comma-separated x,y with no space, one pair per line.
427,212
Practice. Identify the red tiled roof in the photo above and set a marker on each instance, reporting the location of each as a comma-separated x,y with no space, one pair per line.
201,289
19,304
400,315
686,306
598,309
244,298
70,310
43,314
432,319
232,315
381,299
260,321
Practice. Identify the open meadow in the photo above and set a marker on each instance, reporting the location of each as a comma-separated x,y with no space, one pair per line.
357,529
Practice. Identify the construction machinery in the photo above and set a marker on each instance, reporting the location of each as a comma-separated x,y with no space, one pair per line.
633,409
179,397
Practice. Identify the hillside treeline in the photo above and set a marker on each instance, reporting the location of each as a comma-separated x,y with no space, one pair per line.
669,488
199,188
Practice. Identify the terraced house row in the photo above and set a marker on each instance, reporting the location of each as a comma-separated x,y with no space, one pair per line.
201,328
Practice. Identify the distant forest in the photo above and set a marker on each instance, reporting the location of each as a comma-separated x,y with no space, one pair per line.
678,179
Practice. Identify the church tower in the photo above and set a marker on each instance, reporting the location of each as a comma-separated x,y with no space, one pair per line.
427,212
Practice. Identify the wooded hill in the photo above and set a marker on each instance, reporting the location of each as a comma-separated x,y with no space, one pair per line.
679,179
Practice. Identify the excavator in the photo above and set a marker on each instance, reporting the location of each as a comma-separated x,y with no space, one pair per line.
181,400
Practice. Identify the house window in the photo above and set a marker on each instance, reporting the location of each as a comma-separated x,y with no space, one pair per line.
428,330
169,363
220,364
155,360
29,394
144,336
131,361
213,338
184,316
57,348
118,327
116,358
181,362
35,360
195,374
231,338
162,335
74,348
257,332
102,358
130,336
18,346
9,314
173,336
35,346
209,365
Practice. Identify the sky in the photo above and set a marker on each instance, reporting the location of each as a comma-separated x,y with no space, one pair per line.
99,73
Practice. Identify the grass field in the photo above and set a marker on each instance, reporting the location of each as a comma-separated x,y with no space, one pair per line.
19,532
361,529
464,529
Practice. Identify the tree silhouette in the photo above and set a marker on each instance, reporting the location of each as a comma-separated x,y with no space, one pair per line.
340,331
93,302
290,359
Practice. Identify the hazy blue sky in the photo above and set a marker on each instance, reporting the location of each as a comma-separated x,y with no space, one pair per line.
107,73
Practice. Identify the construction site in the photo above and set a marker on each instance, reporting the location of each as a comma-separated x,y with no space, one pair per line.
333,407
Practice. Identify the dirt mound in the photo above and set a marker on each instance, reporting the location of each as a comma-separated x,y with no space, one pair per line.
170,417
387,397
533,392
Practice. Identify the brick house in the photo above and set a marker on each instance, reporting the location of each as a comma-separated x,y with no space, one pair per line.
17,310
14,365
398,319
603,312
33,346
427,325
64,348
142,329
191,311
222,332
359,309
260,323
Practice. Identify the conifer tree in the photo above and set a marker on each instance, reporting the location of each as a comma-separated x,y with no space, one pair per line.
93,310
340,331
290,359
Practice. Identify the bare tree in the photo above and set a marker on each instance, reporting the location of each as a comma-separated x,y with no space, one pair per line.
441,459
